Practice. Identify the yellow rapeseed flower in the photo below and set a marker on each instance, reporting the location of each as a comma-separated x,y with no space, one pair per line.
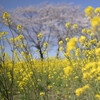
40,35
42,93
84,30
97,96
89,11
68,25
95,23
60,42
68,70
97,51
19,27
75,26
82,39
79,91
66,39
97,10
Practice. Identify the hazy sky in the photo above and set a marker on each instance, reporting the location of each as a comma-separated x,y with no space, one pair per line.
11,4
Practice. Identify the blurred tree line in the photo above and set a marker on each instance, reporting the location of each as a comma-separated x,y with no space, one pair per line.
49,20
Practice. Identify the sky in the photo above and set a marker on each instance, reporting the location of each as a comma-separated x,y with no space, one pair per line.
12,4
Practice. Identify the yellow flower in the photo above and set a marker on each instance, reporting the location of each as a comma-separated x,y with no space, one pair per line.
11,40
60,42
97,10
97,96
45,45
71,45
68,25
22,53
19,27
95,23
92,34
6,15
3,34
6,24
89,11
82,39
68,70
84,30
40,35
42,93
6,18
97,51
49,86
75,26
98,44
79,91
88,31
39,80
61,48
67,39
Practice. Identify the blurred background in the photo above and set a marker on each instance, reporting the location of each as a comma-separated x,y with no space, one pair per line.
47,17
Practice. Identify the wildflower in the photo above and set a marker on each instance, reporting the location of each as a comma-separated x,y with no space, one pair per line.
40,35
11,40
22,45
45,45
75,26
6,15
44,52
42,93
82,39
61,48
97,96
22,53
60,42
97,51
89,11
49,86
6,18
68,70
71,45
79,91
88,31
39,80
97,10
84,30
67,39
93,41
68,25
92,34
95,23
98,44
3,34
19,27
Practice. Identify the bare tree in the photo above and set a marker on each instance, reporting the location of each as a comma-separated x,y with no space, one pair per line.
49,20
